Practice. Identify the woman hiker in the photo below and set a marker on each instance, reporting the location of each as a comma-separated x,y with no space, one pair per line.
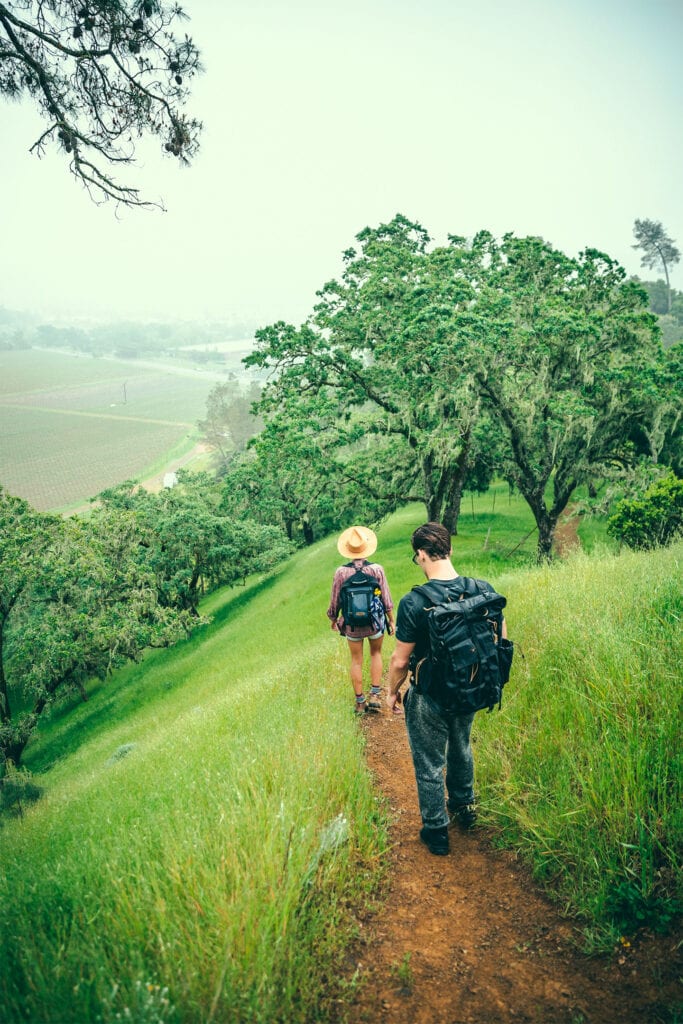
357,544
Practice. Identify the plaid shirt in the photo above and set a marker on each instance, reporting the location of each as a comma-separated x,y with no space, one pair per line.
343,573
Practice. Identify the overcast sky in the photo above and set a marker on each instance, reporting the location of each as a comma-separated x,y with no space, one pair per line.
560,119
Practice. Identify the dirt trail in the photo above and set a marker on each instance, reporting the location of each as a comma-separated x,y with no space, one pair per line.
484,946
566,533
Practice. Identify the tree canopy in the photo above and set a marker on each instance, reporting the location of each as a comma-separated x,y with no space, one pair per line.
82,596
75,603
189,542
507,356
102,73
372,349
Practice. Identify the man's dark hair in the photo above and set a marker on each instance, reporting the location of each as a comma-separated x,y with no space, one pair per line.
434,539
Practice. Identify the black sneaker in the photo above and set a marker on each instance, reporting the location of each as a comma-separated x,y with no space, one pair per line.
436,840
465,816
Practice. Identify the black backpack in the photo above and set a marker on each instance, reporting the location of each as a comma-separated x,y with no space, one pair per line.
360,601
469,661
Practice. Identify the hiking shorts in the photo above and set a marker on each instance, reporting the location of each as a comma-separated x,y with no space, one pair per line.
359,639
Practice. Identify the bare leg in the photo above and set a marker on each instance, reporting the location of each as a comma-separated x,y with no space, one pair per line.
356,650
376,662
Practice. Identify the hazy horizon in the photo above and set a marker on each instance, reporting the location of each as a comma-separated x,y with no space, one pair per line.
320,120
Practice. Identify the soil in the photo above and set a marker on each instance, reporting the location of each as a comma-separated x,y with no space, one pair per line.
469,939
566,533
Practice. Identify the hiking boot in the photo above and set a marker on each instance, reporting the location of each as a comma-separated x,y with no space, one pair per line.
465,816
374,702
361,704
436,840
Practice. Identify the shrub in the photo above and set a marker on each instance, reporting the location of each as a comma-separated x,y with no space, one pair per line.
16,789
652,521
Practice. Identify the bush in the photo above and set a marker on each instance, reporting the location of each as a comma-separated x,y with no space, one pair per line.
654,520
16,789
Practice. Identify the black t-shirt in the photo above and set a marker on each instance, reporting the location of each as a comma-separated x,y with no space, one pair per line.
411,621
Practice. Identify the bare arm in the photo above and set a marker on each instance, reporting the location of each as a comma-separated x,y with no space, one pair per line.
398,670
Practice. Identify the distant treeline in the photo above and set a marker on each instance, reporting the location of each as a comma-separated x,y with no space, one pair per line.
127,339
670,324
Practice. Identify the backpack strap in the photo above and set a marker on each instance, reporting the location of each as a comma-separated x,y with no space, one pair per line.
437,594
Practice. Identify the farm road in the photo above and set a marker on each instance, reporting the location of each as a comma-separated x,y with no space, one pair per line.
469,939
99,415
155,483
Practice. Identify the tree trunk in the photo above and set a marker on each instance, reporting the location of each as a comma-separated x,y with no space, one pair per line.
21,734
545,524
443,498
449,518
453,495
5,709
308,531
193,586
431,499
668,287
433,506
13,749
546,535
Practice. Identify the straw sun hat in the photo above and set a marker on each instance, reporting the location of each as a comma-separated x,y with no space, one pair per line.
357,542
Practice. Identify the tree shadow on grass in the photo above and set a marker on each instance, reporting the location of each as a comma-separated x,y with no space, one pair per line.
73,721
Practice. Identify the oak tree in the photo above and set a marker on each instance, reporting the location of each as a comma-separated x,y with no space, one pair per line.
374,347
548,363
190,544
568,358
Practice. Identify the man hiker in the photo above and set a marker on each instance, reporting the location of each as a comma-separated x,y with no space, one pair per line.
438,737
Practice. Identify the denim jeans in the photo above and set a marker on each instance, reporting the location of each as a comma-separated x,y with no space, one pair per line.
439,740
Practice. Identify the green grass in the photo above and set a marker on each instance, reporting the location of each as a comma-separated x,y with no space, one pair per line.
583,770
208,823
217,857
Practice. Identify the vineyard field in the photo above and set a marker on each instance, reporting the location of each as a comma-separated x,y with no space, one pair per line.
71,426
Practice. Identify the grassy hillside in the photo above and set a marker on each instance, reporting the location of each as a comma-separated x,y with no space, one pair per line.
583,773
208,823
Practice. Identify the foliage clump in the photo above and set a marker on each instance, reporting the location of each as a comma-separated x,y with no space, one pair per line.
16,789
101,75
654,520
82,597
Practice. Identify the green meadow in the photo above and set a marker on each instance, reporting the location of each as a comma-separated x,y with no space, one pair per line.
73,425
208,825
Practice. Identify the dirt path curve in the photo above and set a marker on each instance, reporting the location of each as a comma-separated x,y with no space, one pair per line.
566,533
483,945
155,483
